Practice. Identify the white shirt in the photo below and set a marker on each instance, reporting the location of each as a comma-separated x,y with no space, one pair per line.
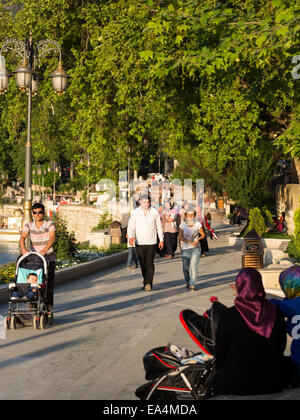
190,233
145,228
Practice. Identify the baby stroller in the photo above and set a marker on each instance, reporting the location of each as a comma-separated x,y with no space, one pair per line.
26,310
176,373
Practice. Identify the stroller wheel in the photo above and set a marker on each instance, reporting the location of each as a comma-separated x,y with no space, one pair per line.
42,322
13,322
6,323
35,322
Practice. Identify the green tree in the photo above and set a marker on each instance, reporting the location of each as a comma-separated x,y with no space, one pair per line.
65,246
256,221
204,77
246,181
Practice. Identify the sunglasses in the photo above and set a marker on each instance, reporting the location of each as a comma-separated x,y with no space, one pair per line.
38,212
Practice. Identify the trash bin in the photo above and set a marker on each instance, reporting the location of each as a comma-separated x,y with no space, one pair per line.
252,250
116,232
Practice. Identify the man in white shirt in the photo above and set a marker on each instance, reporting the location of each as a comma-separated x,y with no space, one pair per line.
143,228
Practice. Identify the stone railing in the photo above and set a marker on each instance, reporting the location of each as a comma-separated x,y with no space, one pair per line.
82,219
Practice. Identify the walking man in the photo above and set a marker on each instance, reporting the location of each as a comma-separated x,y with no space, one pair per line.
143,227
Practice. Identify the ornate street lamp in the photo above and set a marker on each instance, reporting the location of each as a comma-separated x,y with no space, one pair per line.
23,76
59,80
35,82
27,79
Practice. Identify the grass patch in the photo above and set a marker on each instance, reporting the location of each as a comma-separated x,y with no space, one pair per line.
266,235
272,235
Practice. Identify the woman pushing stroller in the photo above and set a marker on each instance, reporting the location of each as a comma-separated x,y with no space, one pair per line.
42,237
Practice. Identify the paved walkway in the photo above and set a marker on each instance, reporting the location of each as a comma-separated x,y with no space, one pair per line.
104,325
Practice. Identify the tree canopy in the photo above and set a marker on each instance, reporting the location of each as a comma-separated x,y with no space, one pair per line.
207,81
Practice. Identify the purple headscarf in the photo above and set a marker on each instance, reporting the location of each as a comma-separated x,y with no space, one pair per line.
258,313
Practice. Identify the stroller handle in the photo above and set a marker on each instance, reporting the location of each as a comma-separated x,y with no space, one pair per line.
33,253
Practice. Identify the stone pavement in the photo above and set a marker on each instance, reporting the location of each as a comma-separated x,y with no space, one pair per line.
105,323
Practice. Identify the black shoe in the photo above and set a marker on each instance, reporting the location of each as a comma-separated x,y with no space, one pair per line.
50,318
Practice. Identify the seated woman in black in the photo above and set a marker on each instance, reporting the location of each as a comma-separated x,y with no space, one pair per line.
250,342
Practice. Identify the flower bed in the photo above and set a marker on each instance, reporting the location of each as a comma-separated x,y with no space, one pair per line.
7,273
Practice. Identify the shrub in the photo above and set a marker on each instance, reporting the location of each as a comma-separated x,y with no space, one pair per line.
268,216
297,228
257,221
104,221
293,251
65,246
246,181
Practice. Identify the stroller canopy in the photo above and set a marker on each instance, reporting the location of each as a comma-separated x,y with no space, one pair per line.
32,262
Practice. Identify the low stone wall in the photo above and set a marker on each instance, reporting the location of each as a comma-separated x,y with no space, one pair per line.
9,209
81,219
270,276
287,200
216,214
268,243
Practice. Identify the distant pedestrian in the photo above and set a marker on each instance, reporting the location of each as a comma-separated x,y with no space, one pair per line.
143,227
185,206
190,234
132,260
170,223
203,242
236,216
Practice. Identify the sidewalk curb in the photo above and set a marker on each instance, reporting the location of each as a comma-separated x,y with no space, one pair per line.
67,274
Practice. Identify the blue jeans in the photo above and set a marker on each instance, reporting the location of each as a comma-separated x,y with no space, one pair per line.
132,257
190,262
18,293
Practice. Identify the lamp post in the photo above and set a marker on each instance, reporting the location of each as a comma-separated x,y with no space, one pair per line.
27,79
56,170
43,184
39,172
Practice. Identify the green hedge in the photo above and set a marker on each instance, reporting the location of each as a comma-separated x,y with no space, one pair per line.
257,221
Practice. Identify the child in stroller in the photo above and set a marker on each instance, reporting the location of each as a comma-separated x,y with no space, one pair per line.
28,294
32,278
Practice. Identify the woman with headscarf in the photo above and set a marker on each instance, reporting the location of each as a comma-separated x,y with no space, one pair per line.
250,342
289,281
